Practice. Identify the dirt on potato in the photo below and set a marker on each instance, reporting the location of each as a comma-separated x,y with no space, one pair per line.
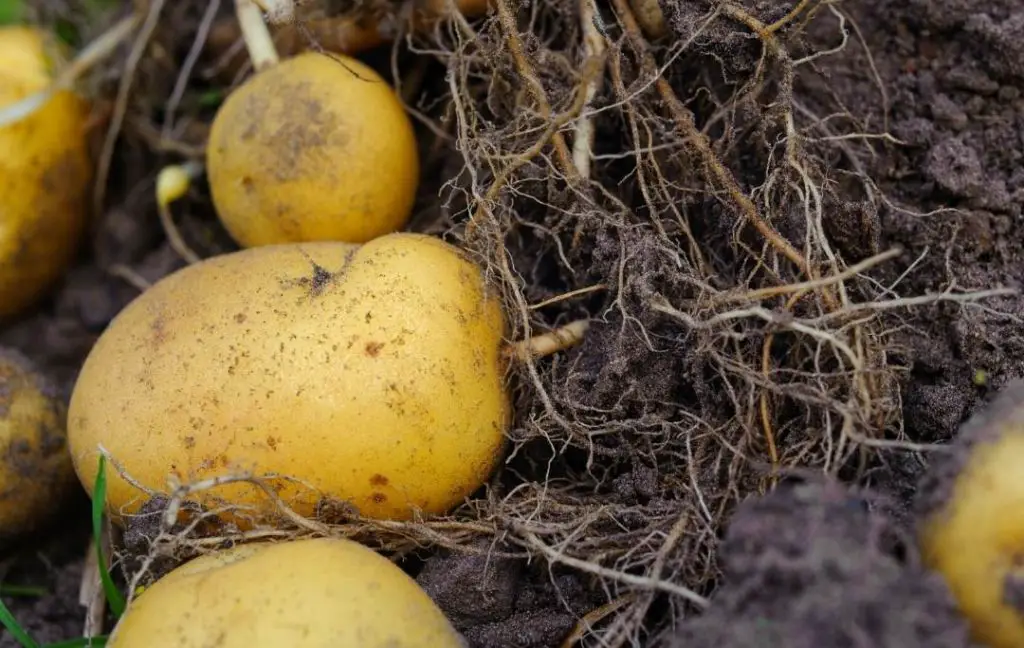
796,237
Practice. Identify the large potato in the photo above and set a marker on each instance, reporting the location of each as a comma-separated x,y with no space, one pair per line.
36,473
971,504
315,148
373,373
316,593
45,175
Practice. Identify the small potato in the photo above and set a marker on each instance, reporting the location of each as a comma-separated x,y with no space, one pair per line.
45,175
316,593
971,504
314,148
372,373
36,472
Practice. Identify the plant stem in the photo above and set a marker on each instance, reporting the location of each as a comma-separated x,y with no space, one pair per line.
278,11
256,34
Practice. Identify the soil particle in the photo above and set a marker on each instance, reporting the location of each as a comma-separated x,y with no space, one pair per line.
814,565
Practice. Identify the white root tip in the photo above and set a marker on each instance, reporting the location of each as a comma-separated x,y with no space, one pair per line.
541,346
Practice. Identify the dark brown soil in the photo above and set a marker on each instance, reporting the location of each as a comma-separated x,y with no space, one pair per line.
813,564
816,565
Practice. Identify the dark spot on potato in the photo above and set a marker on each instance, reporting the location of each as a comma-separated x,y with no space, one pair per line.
379,480
379,498
190,442
321,278
240,317
272,442
158,327
247,183
373,348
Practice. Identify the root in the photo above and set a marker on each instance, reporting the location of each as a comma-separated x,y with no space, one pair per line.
641,581
541,346
594,617
593,48
146,31
649,15
533,84
688,129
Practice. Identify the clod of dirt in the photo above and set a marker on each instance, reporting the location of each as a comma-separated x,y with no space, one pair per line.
498,602
472,589
815,565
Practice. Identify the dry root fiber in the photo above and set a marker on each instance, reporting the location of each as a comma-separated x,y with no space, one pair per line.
668,177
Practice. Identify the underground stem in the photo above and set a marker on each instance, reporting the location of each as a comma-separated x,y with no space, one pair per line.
541,346
256,35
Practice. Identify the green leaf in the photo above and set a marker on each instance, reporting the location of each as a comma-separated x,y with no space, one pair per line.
12,625
30,591
67,32
12,12
99,498
211,98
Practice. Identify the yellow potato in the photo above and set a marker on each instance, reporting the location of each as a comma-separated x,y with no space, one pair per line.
45,175
35,471
322,592
314,148
974,534
373,373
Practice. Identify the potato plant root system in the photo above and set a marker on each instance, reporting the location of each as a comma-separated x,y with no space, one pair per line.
795,235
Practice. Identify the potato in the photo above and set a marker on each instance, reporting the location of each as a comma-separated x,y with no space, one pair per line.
45,175
373,373
313,148
972,520
302,594
36,472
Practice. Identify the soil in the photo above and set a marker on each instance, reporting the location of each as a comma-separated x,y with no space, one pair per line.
813,564
634,449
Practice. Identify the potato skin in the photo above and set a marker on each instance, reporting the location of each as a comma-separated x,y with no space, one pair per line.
36,472
313,149
971,508
312,593
45,176
373,373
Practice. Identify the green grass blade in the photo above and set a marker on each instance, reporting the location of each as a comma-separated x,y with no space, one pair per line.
99,498
15,628
12,12
27,591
